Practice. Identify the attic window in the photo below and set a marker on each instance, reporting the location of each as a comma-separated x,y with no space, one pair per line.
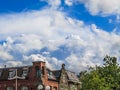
24,88
11,73
57,74
10,88
49,72
0,72
25,71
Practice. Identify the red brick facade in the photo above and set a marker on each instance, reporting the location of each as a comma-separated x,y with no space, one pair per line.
38,77
31,81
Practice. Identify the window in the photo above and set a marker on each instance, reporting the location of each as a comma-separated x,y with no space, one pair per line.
49,73
43,69
10,88
47,88
40,87
11,73
24,88
25,72
57,74
38,71
55,88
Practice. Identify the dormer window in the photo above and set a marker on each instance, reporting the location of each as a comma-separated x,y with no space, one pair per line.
10,88
24,88
11,73
25,72
50,73
57,74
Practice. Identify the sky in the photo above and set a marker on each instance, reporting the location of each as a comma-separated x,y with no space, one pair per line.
79,33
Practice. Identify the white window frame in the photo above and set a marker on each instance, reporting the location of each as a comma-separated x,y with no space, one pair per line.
12,73
47,88
24,88
55,88
25,72
10,88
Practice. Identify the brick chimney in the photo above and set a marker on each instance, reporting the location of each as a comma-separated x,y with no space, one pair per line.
41,65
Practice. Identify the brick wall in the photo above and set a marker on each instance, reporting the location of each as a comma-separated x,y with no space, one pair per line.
32,80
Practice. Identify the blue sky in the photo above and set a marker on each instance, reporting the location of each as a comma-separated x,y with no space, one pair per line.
8,6
78,33
77,11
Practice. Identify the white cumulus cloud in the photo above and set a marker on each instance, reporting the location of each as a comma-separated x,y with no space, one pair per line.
103,7
69,2
54,4
51,34
5,56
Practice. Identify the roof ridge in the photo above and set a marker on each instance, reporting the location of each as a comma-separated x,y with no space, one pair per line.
16,67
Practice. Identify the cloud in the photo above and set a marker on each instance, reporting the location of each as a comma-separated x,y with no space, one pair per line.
103,7
36,57
13,63
69,2
97,7
51,34
44,22
5,56
53,5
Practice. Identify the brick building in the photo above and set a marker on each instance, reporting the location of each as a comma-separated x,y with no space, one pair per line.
37,77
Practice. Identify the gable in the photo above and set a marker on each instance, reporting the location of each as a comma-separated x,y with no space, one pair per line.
63,82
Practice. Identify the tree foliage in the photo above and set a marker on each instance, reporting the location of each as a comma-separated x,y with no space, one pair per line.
106,77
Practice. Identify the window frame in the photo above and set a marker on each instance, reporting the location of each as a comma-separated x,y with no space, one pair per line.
25,72
38,71
10,88
24,88
12,73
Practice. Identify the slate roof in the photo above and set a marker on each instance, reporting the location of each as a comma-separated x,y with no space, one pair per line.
5,72
51,75
57,74
72,77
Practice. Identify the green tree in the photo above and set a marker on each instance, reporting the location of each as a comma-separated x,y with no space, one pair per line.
106,77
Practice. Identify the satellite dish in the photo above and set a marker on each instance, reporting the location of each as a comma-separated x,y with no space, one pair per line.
40,87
